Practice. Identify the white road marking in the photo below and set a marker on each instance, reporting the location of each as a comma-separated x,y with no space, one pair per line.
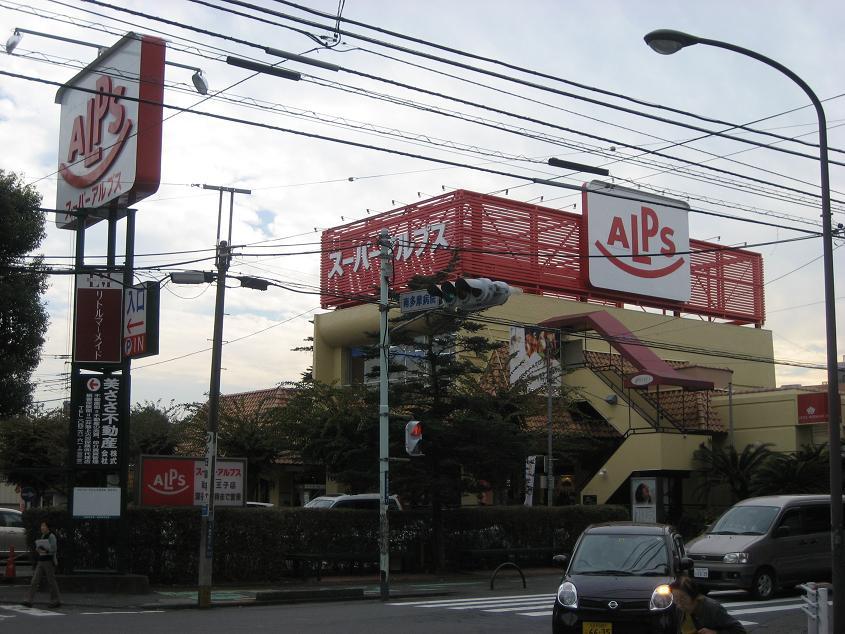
737,604
123,612
22,609
475,600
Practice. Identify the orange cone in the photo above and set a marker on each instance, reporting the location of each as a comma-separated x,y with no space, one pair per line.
10,564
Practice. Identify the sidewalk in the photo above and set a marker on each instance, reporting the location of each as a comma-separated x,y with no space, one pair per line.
345,588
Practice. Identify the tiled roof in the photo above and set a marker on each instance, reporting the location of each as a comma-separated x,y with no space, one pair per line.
497,374
690,410
257,401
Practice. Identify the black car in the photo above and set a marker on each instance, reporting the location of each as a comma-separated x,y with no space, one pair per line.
617,581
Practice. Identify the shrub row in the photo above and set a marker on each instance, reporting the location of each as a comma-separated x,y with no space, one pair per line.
250,545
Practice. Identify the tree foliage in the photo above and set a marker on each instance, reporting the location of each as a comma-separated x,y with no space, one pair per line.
245,430
805,471
23,318
34,450
155,429
736,470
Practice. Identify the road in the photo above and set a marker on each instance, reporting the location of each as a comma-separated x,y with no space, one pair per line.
475,612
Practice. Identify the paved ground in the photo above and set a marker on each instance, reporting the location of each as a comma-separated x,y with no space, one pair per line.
460,603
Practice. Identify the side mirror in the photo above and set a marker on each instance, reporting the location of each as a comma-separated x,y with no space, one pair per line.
686,563
782,531
560,560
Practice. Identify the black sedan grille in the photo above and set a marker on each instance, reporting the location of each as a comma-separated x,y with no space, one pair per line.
622,604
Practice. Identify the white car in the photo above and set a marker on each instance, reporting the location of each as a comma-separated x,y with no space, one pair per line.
12,533
360,501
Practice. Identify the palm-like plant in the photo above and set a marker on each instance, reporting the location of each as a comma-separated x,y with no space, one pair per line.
737,470
805,471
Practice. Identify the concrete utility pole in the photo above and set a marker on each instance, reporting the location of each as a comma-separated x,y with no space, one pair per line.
385,273
206,553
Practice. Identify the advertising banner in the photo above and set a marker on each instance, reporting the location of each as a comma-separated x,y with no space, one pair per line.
98,318
110,129
531,350
95,420
182,481
530,470
644,499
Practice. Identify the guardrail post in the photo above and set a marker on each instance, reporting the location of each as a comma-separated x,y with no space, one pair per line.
823,609
811,607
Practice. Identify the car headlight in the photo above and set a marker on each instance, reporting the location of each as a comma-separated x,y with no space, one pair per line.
661,598
567,595
736,558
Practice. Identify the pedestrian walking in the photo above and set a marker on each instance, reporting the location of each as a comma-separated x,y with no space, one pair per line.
702,615
46,549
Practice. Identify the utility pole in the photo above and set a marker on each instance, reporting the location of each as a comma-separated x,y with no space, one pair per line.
385,273
206,552
549,458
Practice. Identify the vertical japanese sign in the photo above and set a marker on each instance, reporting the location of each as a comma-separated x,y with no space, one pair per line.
95,420
98,318
530,470
140,320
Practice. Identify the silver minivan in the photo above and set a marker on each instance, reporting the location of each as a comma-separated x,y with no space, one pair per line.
765,543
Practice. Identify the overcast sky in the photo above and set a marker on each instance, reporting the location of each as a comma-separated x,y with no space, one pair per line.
300,186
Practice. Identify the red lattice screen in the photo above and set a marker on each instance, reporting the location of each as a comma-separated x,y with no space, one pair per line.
535,248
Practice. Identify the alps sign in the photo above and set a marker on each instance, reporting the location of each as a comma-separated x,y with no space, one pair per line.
110,132
180,481
637,243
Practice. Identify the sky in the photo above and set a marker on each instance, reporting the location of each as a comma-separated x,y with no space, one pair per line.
300,185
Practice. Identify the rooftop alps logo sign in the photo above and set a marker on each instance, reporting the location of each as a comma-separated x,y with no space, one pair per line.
637,243
110,132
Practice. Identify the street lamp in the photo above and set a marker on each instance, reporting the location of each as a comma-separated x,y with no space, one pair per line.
198,79
667,42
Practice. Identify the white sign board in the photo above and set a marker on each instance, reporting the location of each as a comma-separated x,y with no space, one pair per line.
96,502
110,129
637,243
229,483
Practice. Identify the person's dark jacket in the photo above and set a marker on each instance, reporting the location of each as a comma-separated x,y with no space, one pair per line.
712,614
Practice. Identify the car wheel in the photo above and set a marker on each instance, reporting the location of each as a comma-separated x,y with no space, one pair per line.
764,585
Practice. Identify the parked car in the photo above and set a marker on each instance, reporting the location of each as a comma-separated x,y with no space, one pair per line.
12,533
617,580
764,543
359,501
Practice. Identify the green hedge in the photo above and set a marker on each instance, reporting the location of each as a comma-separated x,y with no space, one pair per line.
250,544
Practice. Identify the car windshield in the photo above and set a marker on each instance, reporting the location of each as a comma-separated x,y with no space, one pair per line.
745,520
620,555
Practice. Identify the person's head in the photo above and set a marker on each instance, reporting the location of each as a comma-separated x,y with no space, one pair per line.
45,527
642,494
685,593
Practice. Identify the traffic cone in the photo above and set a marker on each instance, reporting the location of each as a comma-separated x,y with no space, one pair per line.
10,564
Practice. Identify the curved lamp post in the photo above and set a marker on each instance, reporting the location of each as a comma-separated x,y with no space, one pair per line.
666,42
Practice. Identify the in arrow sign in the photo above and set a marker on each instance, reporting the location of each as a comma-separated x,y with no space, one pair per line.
131,325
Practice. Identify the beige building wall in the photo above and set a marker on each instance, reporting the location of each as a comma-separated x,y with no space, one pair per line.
348,327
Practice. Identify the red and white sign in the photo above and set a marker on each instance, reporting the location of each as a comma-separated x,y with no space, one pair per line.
637,243
99,318
812,408
110,131
179,481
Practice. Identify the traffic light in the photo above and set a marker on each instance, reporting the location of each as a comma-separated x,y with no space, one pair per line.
413,438
472,294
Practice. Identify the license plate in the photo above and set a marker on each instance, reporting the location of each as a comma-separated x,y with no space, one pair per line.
593,627
700,573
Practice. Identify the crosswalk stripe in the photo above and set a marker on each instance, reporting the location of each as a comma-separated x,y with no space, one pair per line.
496,604
511,609
760,610
475,600
543,613
21,609
738,604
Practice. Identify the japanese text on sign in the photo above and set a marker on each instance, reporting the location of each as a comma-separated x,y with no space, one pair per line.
405,245
97,420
